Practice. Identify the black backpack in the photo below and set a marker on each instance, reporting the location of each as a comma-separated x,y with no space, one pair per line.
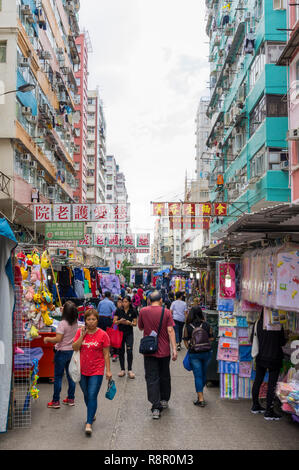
200,339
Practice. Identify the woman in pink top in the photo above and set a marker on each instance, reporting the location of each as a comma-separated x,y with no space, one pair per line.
63,341
94,346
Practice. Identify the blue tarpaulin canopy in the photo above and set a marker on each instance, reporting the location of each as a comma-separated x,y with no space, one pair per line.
164,271
28,98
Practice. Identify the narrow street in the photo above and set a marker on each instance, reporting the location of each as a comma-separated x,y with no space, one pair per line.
126,423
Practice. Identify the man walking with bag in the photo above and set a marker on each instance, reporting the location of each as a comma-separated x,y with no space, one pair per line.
156,321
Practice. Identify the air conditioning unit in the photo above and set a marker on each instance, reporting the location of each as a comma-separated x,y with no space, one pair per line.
53,147
33,119
46,55
284,165
51,192
26,10
24,62
41,173
226,119
26,157
33,164
293,134
59,50
26,111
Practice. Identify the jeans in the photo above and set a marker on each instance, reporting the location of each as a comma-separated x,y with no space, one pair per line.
158,382
178,328
273,377
128,340
62,361
199,363
90,386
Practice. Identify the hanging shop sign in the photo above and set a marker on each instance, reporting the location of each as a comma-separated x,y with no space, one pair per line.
117,213
143,240
64,231
190,209
192,223
63,244
129,250
129,241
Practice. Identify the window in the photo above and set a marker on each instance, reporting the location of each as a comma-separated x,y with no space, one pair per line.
257,164
257,115
3,47
109,187
78,81
279,4
278,159
276,106
257,67
274,52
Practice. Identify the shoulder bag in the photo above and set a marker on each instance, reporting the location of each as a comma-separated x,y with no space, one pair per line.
149,344
255,342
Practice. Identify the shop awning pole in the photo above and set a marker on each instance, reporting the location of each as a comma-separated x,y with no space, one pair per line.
54,278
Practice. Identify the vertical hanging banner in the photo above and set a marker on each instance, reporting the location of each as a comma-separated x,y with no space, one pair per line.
159,208
132,276
145,276
174,209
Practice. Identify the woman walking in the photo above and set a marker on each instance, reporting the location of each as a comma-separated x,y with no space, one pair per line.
126,318
93,344
198,344
269,357
63,340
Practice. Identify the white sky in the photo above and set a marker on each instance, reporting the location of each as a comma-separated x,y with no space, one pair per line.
150,62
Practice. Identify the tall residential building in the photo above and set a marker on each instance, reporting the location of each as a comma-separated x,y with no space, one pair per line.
37,46
82,104
290,59
202,151
248,106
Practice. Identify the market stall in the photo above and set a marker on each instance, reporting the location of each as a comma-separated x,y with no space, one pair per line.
7,245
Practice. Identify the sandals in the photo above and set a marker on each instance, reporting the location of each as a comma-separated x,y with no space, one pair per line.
202,404
131,375
122,373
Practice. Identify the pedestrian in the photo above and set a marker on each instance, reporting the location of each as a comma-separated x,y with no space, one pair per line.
140,293
157,365
65,333
269,357
129,292
106,309
93,344
122,291
179,310
200,349
136,300
114,352
126,319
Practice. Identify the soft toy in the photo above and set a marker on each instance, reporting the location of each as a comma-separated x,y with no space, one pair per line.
44,311
29,260
24,273
29,293
21,256
34,332
33,277
37,298
45,263
35,259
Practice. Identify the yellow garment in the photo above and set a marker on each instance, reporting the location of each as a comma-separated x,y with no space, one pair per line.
177,285
87,276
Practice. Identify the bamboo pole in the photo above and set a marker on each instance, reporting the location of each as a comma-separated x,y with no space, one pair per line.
49,257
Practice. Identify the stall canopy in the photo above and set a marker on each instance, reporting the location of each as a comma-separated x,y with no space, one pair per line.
7,244
164,271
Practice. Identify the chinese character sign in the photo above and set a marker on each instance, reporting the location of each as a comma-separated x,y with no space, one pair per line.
62,213
81,212
189,209
159,208
99,240
143,240
113,240
174,209
101,212
87,240
129,241
42,213
220,208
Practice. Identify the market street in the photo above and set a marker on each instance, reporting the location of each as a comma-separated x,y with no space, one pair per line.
126,422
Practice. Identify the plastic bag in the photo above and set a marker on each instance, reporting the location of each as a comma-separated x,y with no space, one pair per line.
74,367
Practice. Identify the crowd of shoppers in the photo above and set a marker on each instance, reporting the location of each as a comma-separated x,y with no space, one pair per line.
157,314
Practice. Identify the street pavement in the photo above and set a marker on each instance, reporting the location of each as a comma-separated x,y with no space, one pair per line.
126,423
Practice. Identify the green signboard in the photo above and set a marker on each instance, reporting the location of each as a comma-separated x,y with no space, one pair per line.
64,231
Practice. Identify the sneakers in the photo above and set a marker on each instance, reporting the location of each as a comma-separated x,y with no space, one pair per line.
69,401
54,404
156,414
164,404
178,347
271,415
114,358
256,409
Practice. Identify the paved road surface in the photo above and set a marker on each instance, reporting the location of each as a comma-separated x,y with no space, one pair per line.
126,423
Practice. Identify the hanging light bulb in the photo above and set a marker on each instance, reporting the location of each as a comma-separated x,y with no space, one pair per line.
197,275
228,279
191,275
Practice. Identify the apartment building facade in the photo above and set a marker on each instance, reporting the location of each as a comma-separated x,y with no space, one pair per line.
80,153
290,59
37,42
248,106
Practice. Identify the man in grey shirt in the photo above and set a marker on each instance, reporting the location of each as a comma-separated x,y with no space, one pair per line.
179,310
